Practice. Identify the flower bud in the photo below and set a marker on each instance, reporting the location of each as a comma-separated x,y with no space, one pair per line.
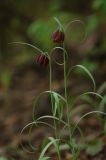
42,60
58,36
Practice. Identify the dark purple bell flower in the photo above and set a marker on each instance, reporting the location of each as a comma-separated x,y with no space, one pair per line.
42,60
58,36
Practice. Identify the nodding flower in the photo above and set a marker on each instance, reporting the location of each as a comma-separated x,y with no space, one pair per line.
42,60
58,36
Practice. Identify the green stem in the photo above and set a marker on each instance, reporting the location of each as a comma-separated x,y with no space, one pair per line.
50,74
59,23
65,90
58,152
65,81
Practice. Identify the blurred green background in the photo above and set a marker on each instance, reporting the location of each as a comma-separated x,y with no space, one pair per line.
32,22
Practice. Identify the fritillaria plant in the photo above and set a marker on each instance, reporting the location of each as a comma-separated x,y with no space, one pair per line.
59,102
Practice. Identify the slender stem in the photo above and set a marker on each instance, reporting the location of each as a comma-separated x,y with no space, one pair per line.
23,43
59,23
55,127
50,75
65,81
65,90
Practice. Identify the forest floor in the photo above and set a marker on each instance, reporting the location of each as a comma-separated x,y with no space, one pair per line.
16,112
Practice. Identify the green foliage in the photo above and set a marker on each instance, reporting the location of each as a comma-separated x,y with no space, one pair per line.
85,70
100,5
92,23
102,88
57,106
103,44
94,147
44,143
91,66
40,31
52,141
5,78
3,158
76,148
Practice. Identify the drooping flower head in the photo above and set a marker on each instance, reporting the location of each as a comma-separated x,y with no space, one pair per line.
58,36
42,60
